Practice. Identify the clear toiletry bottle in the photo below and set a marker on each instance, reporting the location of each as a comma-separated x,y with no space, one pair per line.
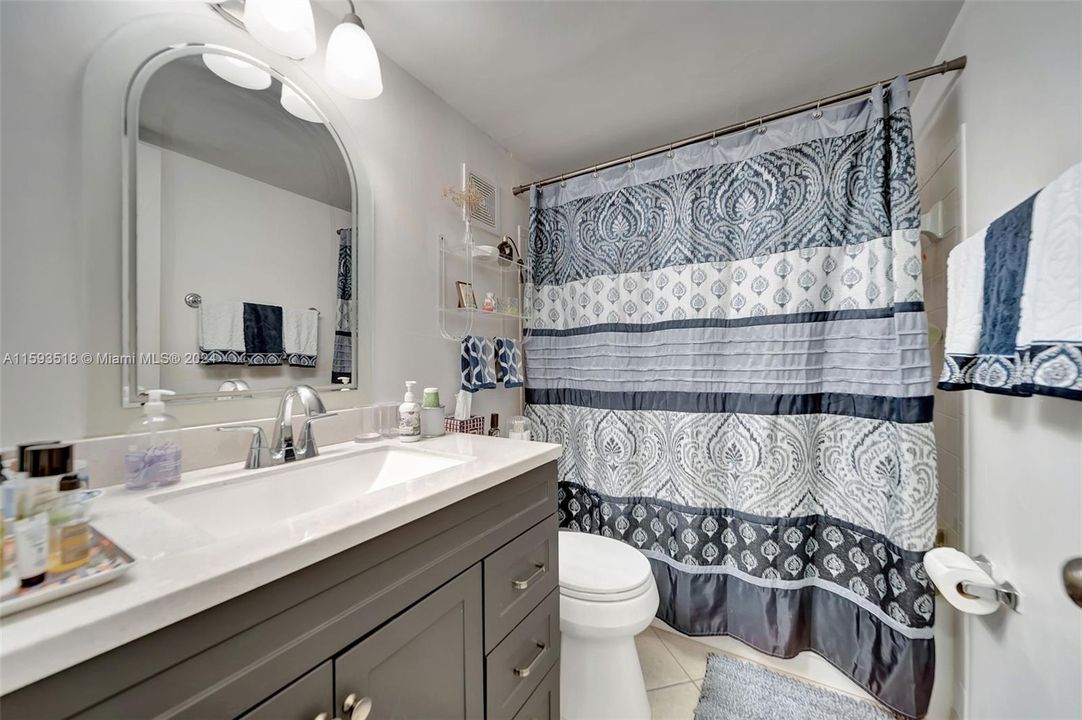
409,416
153,457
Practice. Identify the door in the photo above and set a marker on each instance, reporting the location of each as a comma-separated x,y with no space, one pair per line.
426,663
304,699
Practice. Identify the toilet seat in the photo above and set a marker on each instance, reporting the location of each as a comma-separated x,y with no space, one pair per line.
594,568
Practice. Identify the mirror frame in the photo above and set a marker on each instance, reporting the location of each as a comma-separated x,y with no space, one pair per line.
130,396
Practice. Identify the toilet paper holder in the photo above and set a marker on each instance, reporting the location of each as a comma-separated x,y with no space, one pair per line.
1002,592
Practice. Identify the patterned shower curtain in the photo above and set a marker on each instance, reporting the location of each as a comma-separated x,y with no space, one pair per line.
729,340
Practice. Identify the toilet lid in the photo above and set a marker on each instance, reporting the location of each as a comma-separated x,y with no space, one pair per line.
600,567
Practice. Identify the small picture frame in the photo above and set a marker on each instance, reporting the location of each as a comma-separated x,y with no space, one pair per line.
466,298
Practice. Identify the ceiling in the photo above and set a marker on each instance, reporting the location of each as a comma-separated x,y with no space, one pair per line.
190,110
563,85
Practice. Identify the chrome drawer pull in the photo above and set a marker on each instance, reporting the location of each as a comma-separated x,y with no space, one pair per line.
525,671
523,584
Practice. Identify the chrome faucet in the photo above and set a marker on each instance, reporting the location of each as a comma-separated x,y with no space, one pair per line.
282,448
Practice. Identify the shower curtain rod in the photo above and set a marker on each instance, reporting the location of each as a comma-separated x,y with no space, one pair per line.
947,66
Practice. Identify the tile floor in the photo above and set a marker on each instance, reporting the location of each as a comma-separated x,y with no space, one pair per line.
673,668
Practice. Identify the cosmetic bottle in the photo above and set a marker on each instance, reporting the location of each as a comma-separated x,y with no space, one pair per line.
494,425
409,416
69,531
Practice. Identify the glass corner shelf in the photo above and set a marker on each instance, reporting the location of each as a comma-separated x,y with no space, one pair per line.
482,313
483,259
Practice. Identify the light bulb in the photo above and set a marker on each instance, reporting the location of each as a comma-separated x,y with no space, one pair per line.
285,26
298,106
237,71
352,65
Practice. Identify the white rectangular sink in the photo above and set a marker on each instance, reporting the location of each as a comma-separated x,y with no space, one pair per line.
254,499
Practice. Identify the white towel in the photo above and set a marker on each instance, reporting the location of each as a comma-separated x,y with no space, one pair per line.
300,336
965,298
1049,341
221,333
1051,309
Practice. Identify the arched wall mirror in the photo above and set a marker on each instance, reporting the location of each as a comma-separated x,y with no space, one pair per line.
240,232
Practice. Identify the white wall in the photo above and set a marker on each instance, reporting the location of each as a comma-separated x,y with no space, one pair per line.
60,256
1020,99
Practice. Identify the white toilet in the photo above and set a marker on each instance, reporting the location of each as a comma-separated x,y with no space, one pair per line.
607,597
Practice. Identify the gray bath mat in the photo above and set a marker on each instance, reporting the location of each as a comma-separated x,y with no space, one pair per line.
735,689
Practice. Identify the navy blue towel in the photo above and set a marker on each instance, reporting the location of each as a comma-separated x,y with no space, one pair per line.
263,334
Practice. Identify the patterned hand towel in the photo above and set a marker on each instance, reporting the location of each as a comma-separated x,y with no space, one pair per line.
508,363
478,363
1049,344
263,334
1014,299
221,333
300,336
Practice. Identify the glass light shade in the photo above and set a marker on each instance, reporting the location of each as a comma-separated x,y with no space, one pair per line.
352,66
285,26
298,106
237,71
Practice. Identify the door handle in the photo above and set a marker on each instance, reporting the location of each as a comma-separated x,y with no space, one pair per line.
1072,579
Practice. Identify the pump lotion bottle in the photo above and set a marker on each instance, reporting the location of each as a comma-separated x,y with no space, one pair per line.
409,416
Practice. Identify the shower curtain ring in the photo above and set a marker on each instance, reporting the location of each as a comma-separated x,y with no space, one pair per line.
630,161
714,139
818,113
563,181
595,171
762,128
670,154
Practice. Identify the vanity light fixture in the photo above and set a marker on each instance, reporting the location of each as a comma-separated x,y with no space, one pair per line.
237,71
285,26
298,106
352,65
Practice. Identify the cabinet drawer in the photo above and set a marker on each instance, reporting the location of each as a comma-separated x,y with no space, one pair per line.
544,702
517,577
521,661
303,699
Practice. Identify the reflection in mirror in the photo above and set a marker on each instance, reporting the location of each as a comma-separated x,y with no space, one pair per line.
240,264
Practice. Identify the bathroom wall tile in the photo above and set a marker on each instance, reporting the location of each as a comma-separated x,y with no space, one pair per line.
950,470
676,702
659,667
948,403
950,508
948,432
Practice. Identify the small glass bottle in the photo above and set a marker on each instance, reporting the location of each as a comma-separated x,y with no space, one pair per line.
494,425
69,531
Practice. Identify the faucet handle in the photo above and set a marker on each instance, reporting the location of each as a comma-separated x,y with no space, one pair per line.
259,455
308,439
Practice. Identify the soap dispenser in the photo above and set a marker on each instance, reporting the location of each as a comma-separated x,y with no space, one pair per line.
153,457
409,416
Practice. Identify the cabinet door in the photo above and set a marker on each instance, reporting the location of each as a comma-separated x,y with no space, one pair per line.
304,699
426,663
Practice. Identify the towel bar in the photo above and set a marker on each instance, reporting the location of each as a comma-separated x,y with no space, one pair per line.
194,300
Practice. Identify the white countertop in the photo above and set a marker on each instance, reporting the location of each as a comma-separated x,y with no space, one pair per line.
181,570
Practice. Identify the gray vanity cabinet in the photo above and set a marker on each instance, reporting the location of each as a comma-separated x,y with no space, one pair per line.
306,698
426,663
454,616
